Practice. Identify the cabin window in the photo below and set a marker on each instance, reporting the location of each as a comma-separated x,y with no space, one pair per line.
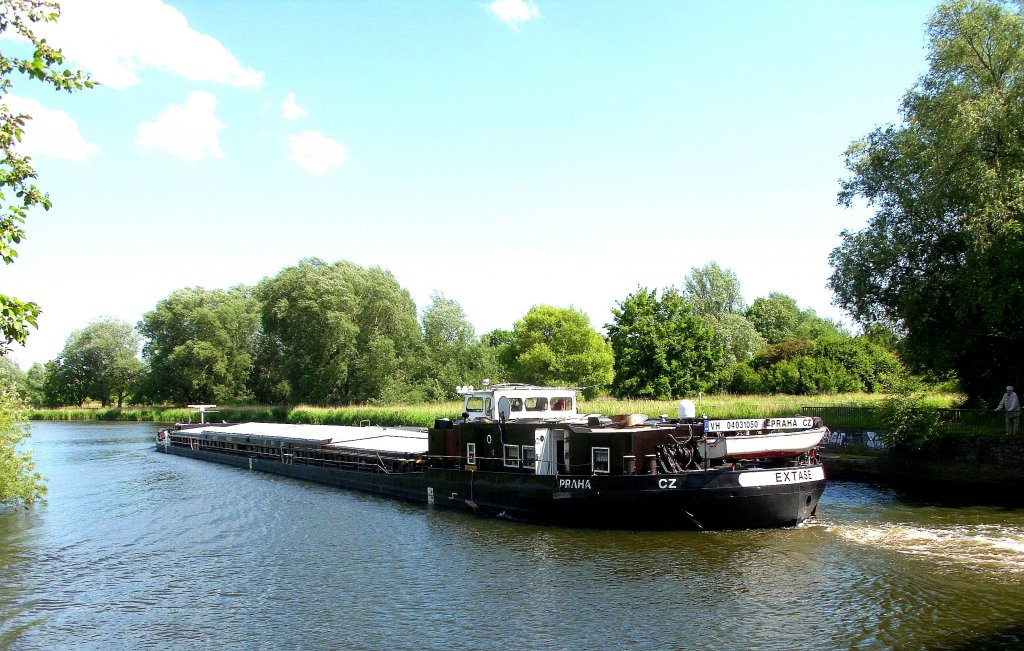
474,403
529,456
561,404
512,456
487,406
515,404
536,404
471,453
600,460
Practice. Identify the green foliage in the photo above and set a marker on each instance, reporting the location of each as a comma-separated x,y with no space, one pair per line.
416,415
909,424
11,376
337,333
17,192
775,317
452,355
99,362
782,377
33,385
201,345
736,337
714,295
940,258
19,482
662,349
742,379
713,291
778,318
558,347
832,364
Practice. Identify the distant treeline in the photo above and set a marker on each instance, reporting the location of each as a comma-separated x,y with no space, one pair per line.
340,334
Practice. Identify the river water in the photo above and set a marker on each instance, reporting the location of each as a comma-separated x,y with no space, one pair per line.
135,549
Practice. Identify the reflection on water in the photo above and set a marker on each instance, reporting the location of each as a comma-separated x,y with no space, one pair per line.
135,549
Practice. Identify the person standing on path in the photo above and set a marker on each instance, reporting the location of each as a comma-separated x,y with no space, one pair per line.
1012,406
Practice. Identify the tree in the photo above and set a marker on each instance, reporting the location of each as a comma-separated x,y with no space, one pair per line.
939,259
11,375
557,347
17,192
337,333
835,364
775,317
201,345
452,355
99,361
19,482
714,295
662,349
737,338
33,385
713,291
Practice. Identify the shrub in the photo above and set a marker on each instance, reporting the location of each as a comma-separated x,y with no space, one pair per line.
744,380
909,424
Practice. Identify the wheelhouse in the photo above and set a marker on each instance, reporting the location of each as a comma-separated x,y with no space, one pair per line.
504,402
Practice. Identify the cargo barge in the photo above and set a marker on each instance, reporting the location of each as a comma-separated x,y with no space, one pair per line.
523,452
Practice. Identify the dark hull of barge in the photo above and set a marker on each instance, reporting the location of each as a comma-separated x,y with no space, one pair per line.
698,500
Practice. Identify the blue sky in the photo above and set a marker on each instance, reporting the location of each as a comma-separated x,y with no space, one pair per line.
505,154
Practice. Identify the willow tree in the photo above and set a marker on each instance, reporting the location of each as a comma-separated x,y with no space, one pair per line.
200,345
336,333
940,259
452,353
100,361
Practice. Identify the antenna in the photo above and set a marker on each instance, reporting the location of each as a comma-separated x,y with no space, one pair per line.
203,410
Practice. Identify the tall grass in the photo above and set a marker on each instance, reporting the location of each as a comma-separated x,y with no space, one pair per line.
712,406
735,406
394,415
165,414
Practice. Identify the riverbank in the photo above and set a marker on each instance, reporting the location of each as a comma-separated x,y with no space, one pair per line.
983,464
424,414
991,466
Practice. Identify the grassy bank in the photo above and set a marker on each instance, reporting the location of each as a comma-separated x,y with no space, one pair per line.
714,406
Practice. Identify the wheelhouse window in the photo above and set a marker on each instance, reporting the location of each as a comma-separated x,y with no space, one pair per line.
561,404
475,404
536,404
512,456
515,404
600,460
471,453
529,456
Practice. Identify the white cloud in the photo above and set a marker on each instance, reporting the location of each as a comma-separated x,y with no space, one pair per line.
316,153
49,132
113,39
188,130
290,109
512,12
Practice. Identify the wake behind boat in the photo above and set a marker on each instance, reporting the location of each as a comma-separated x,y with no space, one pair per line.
524,452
